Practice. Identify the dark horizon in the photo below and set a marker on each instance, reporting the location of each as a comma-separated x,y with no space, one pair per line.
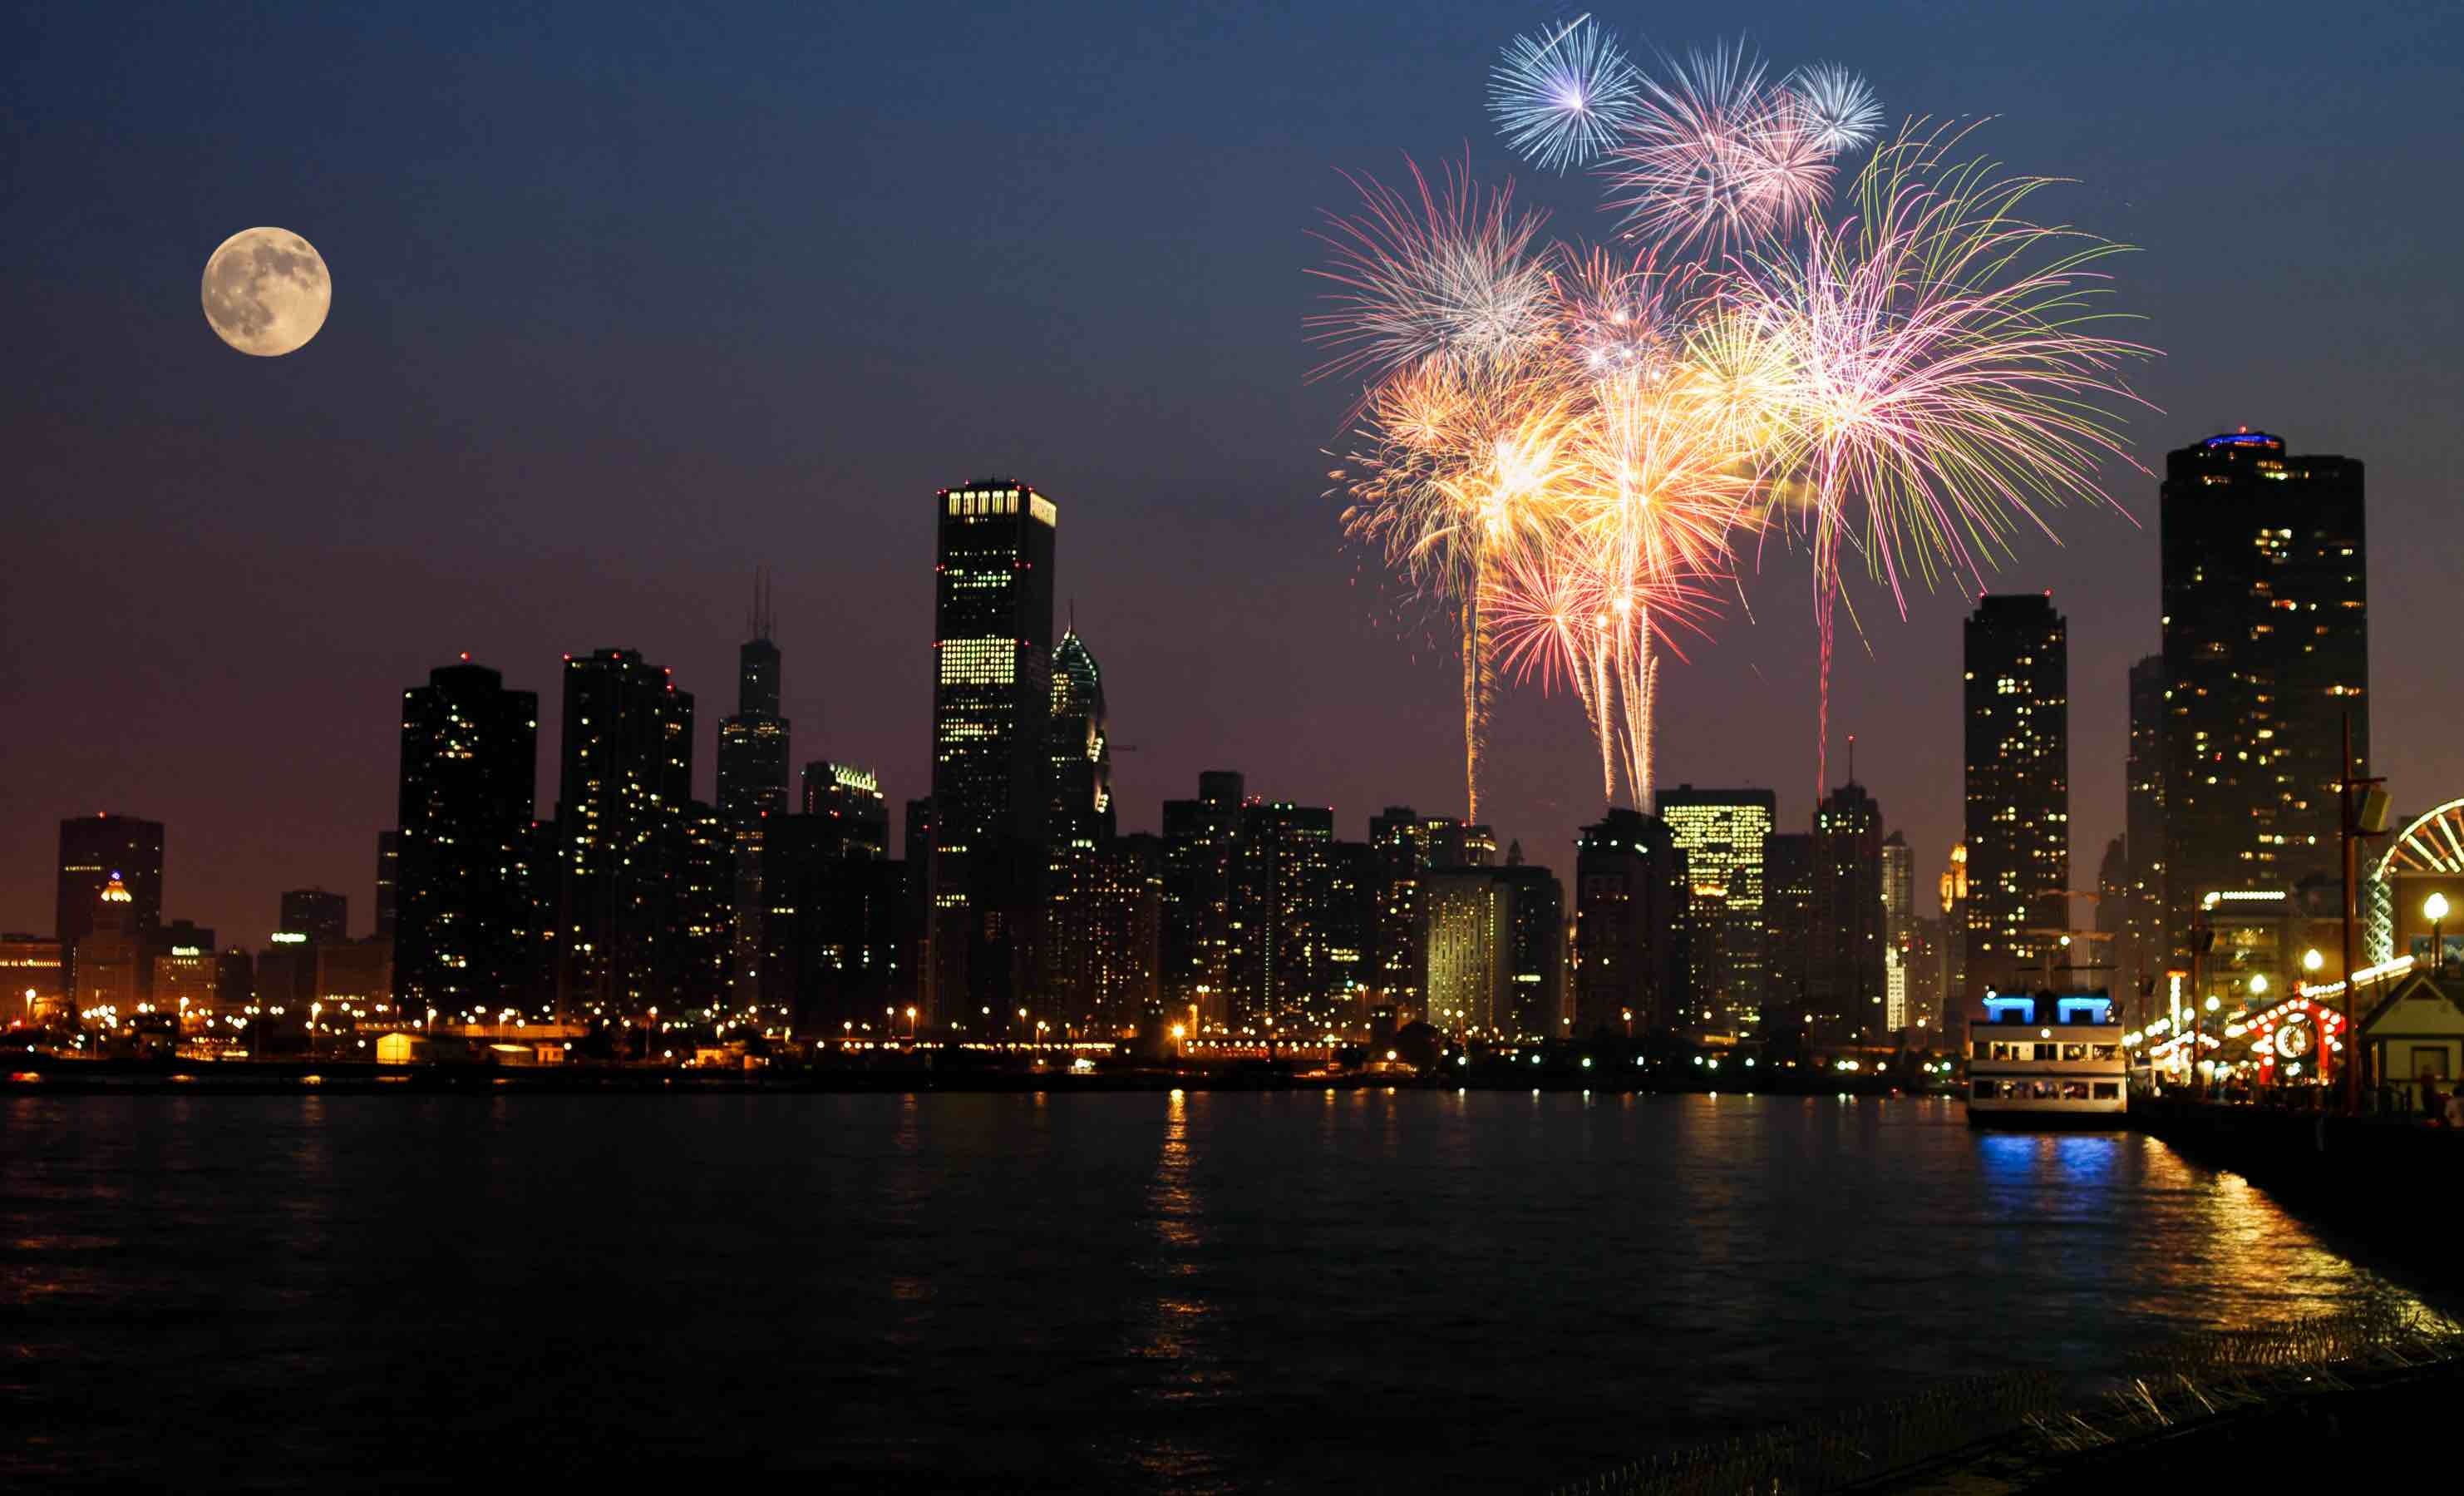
622,313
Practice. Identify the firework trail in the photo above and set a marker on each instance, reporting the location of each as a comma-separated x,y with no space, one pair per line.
1946,360
1569,451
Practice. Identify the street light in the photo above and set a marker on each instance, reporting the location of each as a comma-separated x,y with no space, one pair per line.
2312,960
2258,984
2434,910
2198,1037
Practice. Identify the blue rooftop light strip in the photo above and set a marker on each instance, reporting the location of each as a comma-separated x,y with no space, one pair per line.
2100,1007
2244,439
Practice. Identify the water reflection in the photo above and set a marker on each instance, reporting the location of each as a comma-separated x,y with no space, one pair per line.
1139,1293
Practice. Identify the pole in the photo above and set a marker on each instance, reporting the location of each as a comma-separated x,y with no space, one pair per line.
2352,1035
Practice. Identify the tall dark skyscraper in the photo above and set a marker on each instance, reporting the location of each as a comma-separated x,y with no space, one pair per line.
991,770
753,743
2266,655
624,786
2145,947
93,848
1847,978
1201,840
1079,835
466,921
1788,934
1398,957
1281,971
752,747
1630,954
2018,714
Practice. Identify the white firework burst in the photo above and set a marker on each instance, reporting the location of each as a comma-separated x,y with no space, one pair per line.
1561,96
1839,106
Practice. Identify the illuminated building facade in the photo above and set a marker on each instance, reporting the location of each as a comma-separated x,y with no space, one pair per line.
468,928
1452,843
1470,921
110,955
2016,701
1899,930
992,715
2266,653
1629,958
93,848
625,781
30,977
1721,833
1536,950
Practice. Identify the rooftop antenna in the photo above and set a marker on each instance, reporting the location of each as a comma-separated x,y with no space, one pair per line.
761,621
1851,758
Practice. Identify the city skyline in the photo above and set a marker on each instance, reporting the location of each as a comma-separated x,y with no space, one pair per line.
521,520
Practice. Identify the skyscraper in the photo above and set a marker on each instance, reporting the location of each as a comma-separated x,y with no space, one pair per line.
1398,959
93,848
625,781
2018,793
2266,656
2146,946
1280,967
1788,931
1899,930
753,743
466,921
992,716
1201,840
1630,964
849,797
324,917
1722,832
752,747
1845,990
1079,835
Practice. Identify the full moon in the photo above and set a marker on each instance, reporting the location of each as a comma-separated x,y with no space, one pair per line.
266,291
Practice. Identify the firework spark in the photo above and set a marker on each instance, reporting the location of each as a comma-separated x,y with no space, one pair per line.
1562,97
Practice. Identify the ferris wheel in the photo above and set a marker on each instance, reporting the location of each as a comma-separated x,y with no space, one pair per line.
2432,843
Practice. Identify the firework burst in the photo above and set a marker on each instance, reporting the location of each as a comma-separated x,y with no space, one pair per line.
1717,157
1568,450
1563,96
1840,107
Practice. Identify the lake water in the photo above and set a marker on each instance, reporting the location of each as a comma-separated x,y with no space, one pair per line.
1202,1292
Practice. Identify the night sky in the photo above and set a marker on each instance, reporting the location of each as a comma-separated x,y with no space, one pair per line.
629,299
